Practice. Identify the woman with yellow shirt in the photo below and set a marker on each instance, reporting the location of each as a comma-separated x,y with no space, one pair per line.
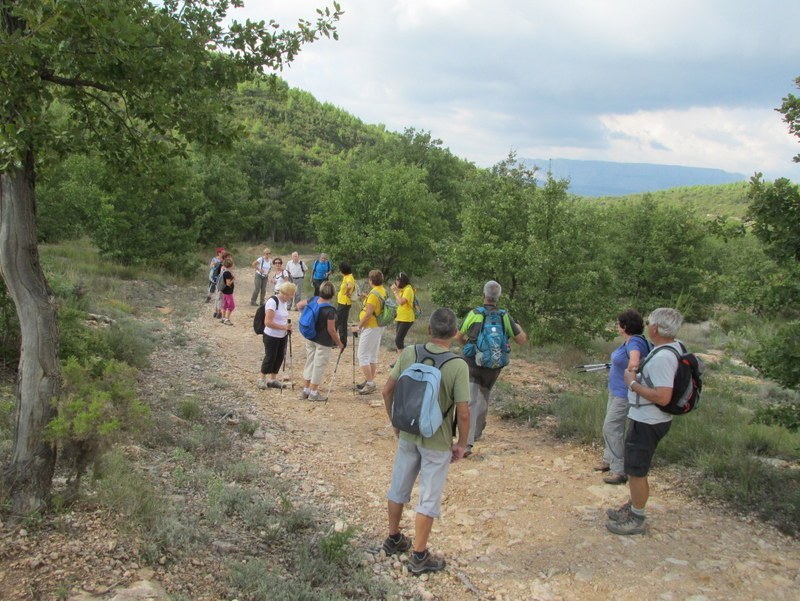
344,300
369,332
404,295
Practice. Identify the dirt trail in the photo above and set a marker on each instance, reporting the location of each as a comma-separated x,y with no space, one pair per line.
524,517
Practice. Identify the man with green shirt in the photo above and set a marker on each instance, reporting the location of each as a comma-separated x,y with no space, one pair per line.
427,458
481,377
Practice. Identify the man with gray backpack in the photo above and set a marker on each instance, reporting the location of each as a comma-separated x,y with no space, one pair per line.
427,387
486,334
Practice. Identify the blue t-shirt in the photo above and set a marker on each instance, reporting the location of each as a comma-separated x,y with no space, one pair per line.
321,269
619,363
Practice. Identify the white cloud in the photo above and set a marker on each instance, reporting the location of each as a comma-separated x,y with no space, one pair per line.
739,140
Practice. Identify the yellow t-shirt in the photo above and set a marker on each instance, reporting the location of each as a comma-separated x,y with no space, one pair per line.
372,322
405,312
347,287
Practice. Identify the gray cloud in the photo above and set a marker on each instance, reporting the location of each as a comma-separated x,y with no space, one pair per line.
534,73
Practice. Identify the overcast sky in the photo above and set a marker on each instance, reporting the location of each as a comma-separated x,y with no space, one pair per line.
678,82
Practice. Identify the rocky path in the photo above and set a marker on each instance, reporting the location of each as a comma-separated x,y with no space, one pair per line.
522,519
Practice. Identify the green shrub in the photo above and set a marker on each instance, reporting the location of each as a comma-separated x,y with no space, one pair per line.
778,356
98,400
78,340
336,548
129,341
786,415
189,409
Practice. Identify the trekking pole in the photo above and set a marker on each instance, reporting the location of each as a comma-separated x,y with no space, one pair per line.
354,360
590,367
333,375
291,361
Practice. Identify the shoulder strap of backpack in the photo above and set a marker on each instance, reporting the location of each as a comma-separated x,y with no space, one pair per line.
652,354
438,359
380,299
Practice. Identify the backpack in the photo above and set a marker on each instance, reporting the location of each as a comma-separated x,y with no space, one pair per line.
417,307
492,346
415,408
648,345
308,318
388,310
687,385
213,273
258,318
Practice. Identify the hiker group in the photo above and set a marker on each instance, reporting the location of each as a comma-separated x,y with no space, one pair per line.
433,395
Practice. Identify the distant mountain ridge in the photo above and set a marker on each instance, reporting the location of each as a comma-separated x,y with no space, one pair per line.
606,178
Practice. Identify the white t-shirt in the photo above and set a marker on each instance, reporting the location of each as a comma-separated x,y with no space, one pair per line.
280,318
658,371
262,267
280,277
296,269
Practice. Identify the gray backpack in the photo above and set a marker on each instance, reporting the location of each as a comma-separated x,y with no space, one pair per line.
415,406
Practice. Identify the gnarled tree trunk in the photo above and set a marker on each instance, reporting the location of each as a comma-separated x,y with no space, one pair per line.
29,473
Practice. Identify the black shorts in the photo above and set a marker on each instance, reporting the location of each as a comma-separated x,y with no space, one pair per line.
640,446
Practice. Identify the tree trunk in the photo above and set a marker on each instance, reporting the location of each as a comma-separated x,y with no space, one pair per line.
29,473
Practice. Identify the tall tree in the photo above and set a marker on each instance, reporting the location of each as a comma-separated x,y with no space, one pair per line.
379,215
136,79
541,245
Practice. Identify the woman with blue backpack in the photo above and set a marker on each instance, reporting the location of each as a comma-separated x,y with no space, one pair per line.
627,356
318,327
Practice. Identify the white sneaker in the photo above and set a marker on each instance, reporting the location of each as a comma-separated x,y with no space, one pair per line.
317,396
262,384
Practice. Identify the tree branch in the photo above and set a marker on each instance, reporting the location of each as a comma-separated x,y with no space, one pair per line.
71,82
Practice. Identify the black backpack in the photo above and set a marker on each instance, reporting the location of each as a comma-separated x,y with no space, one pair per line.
687,385
258,318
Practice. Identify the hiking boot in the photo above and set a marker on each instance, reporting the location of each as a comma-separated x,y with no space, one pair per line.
632,524
393,548
428,563
616,479
368,388
275,384
360,386
468,452
317,396
619,515
262,384
601,467
227,322
303,395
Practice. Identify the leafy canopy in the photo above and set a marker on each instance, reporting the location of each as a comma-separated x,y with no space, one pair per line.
134,76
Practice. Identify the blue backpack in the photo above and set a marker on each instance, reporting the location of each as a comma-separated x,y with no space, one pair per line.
492,346
415,408
308,318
